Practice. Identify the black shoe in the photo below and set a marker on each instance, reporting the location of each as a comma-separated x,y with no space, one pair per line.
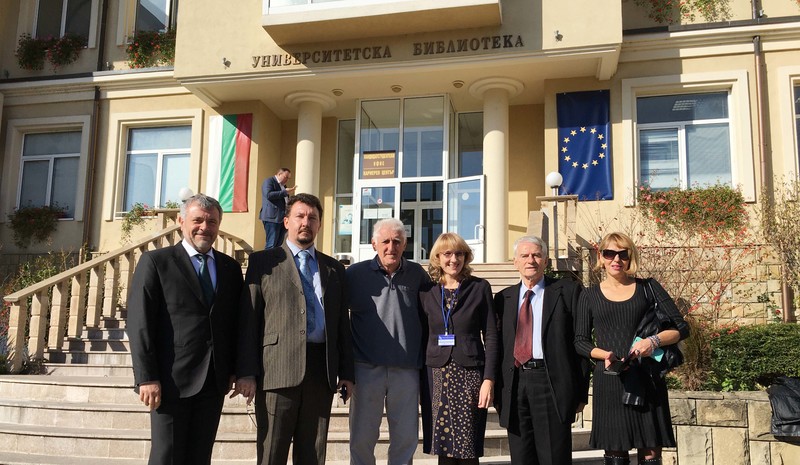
616,460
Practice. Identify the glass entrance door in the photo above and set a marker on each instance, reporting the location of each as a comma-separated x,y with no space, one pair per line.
376,202
421,210
465,212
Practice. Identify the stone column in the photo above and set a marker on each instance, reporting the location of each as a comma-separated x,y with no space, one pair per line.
495,93
310,106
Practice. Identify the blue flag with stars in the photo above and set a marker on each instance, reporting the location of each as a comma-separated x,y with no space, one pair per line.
584,148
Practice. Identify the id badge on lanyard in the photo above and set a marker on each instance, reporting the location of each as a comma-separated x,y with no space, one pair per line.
447,339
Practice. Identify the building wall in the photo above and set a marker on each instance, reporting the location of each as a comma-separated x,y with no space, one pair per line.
203,84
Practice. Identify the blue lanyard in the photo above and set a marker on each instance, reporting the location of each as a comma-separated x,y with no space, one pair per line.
446,316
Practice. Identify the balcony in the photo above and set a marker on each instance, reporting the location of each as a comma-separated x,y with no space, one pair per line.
305,21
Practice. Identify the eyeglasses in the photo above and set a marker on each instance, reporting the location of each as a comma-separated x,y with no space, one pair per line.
609,254
449,254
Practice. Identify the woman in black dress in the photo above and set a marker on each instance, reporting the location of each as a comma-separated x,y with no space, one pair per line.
614,310
461,355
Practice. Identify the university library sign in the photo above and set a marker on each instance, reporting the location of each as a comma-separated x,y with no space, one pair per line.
376,52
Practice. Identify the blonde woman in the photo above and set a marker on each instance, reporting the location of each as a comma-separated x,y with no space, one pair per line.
613,311
461,356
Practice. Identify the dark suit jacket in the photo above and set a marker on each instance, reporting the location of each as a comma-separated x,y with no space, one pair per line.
172,332
272,340
273,201
474,325
568,373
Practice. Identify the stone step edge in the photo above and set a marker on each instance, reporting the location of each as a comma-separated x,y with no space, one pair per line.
69,380
144,434
21,458
16,458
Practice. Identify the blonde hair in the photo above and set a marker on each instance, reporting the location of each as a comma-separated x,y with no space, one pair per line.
623,241
455,243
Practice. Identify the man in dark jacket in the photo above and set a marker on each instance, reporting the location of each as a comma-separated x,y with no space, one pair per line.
183,307
544,383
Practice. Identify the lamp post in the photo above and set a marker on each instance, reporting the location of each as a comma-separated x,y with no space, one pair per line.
185,193
554,180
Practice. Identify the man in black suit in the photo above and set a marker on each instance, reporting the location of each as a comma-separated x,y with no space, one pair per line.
274,195
544,382
295,344
182,324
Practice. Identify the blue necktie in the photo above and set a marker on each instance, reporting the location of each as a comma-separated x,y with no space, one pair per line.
307,278
205,279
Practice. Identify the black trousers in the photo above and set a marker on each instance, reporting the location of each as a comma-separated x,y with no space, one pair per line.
182,431
543,439
297,416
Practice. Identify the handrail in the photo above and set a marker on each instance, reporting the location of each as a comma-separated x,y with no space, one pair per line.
62,305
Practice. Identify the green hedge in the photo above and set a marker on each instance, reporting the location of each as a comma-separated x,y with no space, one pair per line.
754,355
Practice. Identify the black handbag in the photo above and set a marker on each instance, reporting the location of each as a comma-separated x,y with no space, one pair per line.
784,398
657,320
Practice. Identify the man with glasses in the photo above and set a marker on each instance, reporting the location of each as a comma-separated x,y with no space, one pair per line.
544,382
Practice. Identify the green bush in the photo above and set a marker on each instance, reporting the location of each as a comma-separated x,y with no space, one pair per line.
753,355
28,273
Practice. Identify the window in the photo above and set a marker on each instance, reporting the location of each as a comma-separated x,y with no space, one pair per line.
346,148
797,118
157,165
54,18
49,170
470,145
156,15
684,140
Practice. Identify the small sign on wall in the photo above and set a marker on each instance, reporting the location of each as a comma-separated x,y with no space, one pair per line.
378,164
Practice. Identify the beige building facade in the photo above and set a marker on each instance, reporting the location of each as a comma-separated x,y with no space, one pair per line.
443,114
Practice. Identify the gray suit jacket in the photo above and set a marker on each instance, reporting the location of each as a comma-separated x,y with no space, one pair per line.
272,329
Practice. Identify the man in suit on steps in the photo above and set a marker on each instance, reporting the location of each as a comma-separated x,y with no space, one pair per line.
274,195
544,383
295,344
182,326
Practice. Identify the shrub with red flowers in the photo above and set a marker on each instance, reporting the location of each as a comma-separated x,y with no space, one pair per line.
717,209
147,49
32,51
65,50
34,224
672,11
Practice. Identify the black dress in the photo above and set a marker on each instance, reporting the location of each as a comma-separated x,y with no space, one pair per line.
616,426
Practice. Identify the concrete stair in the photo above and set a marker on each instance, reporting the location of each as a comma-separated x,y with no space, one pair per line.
84,410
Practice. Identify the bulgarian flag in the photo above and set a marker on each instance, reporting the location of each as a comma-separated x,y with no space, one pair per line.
229,160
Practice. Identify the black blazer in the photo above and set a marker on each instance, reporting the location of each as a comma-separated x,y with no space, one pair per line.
474,326
568,373
272,329
174,335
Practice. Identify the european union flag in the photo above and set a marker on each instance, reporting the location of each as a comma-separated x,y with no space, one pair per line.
584,148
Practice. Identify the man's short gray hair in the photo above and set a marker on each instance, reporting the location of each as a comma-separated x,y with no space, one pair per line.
203,201
531,240
391,224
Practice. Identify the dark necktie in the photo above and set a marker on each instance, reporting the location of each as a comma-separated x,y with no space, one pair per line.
205,279
307,278
523,341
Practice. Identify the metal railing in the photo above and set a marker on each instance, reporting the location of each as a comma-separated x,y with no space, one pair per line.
61,306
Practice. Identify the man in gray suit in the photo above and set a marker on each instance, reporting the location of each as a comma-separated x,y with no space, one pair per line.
294,340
